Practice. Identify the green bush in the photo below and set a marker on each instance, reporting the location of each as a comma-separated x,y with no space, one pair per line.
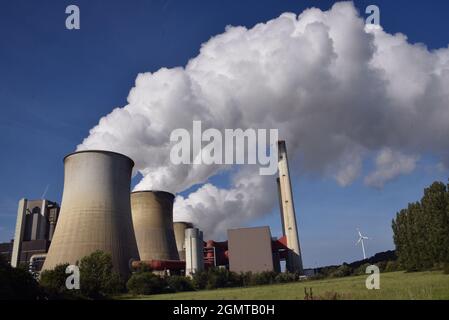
265,277
53,284
382,265
180,283
199,280
216,278
342,271
146,283
392,266
361,269
222,278
17,283
286,277
446,268
97,277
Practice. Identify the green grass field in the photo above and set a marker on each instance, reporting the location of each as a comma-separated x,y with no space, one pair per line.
393,285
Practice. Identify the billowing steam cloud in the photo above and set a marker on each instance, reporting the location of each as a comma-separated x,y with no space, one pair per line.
341,94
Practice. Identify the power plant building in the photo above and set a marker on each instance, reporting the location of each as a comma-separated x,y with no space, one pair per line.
95,211
98,212
35,226
250,250
194,251
152,214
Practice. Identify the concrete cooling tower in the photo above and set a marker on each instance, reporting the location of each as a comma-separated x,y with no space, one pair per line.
180,229
152,213
95,211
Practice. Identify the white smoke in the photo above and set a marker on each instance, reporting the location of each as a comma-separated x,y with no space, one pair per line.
338,92
390,164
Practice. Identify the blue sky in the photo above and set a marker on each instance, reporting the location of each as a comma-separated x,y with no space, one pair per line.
55,84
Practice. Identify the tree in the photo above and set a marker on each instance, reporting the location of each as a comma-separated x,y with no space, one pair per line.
421,232
97,277
53,282
146,283
17,283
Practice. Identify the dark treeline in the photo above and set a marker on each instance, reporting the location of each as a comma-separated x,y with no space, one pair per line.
421,231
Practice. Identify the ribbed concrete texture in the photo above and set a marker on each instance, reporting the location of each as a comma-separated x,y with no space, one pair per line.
152,213
180,234
95,211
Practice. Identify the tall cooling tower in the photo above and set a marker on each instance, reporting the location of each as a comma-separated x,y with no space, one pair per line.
95,211
180,234
152,213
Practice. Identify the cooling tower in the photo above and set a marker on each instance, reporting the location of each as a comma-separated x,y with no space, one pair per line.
95,211
152,213
180,228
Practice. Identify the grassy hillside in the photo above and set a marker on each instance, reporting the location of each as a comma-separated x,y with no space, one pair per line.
393,285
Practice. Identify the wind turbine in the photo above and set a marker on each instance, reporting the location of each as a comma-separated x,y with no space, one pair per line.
361,238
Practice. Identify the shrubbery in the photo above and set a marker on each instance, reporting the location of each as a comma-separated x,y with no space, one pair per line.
392,266
286,277
146,283
446,268
222,278
17,283
180,283
342,271
97,279
53,284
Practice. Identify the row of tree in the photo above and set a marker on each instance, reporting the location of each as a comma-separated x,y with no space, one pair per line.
421,231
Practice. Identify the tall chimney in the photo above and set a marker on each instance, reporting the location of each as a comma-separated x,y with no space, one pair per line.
287,207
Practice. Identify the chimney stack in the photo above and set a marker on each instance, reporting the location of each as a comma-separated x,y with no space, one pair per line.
287,208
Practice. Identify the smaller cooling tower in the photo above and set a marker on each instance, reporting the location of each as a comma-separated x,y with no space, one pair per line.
95,211
152,213
180,235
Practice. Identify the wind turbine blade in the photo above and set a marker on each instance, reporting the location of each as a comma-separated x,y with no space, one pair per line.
360,239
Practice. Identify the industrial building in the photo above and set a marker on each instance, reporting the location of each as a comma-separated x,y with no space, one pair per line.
98,212
250,249
35,226
6,250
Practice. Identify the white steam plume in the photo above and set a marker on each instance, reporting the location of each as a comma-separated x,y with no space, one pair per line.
337,91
